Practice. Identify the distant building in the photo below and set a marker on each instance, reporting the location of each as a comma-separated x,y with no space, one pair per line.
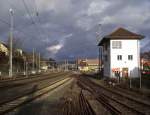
4,49
29,57
72,65
18,52
121,53
145,64
44,65
88,65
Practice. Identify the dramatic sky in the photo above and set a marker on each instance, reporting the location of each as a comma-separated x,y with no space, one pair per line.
68,28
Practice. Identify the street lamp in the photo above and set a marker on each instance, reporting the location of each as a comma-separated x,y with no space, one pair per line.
11,38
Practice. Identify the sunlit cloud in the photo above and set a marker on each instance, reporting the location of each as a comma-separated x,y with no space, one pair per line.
67,27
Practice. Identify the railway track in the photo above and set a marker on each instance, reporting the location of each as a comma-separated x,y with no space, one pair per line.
22,78
122,103
25,81
132,103
75,103
133,93
77,106
86,108
21,100
100,98
27,89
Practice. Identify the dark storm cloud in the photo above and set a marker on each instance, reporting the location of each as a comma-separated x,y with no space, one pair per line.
67,29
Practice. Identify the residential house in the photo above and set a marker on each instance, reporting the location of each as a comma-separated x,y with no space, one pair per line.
4,49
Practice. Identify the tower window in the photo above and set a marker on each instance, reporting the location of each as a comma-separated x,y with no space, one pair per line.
116,44
119,57
130,57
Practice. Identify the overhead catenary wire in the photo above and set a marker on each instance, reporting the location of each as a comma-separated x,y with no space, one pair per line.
38,18
36,8
20,30
31,17
3,21
28,11
37,23
16,28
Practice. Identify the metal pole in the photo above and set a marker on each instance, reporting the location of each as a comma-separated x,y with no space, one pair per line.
130,80
24,66
39,62
77,64
100,50
11,38
33,61
36,61
102,60
142,68
99,61
67,64
140,81
26,69
139,70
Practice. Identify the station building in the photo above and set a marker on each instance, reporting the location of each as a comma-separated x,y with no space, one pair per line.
88,65
121,53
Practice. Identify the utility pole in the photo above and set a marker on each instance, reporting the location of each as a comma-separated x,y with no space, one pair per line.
140,72
39,63
65,65
11,38
77,64
36,62
139,69
33,61
24,59
140,78
99,61
26,69
130,85
100,50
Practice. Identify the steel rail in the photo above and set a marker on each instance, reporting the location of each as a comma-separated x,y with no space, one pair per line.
22,100
116,100
44,77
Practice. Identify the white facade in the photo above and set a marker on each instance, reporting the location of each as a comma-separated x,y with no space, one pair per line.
121,54
129,48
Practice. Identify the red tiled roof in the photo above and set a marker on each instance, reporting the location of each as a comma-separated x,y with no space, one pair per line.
121,33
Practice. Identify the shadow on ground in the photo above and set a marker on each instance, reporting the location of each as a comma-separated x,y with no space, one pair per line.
50,104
